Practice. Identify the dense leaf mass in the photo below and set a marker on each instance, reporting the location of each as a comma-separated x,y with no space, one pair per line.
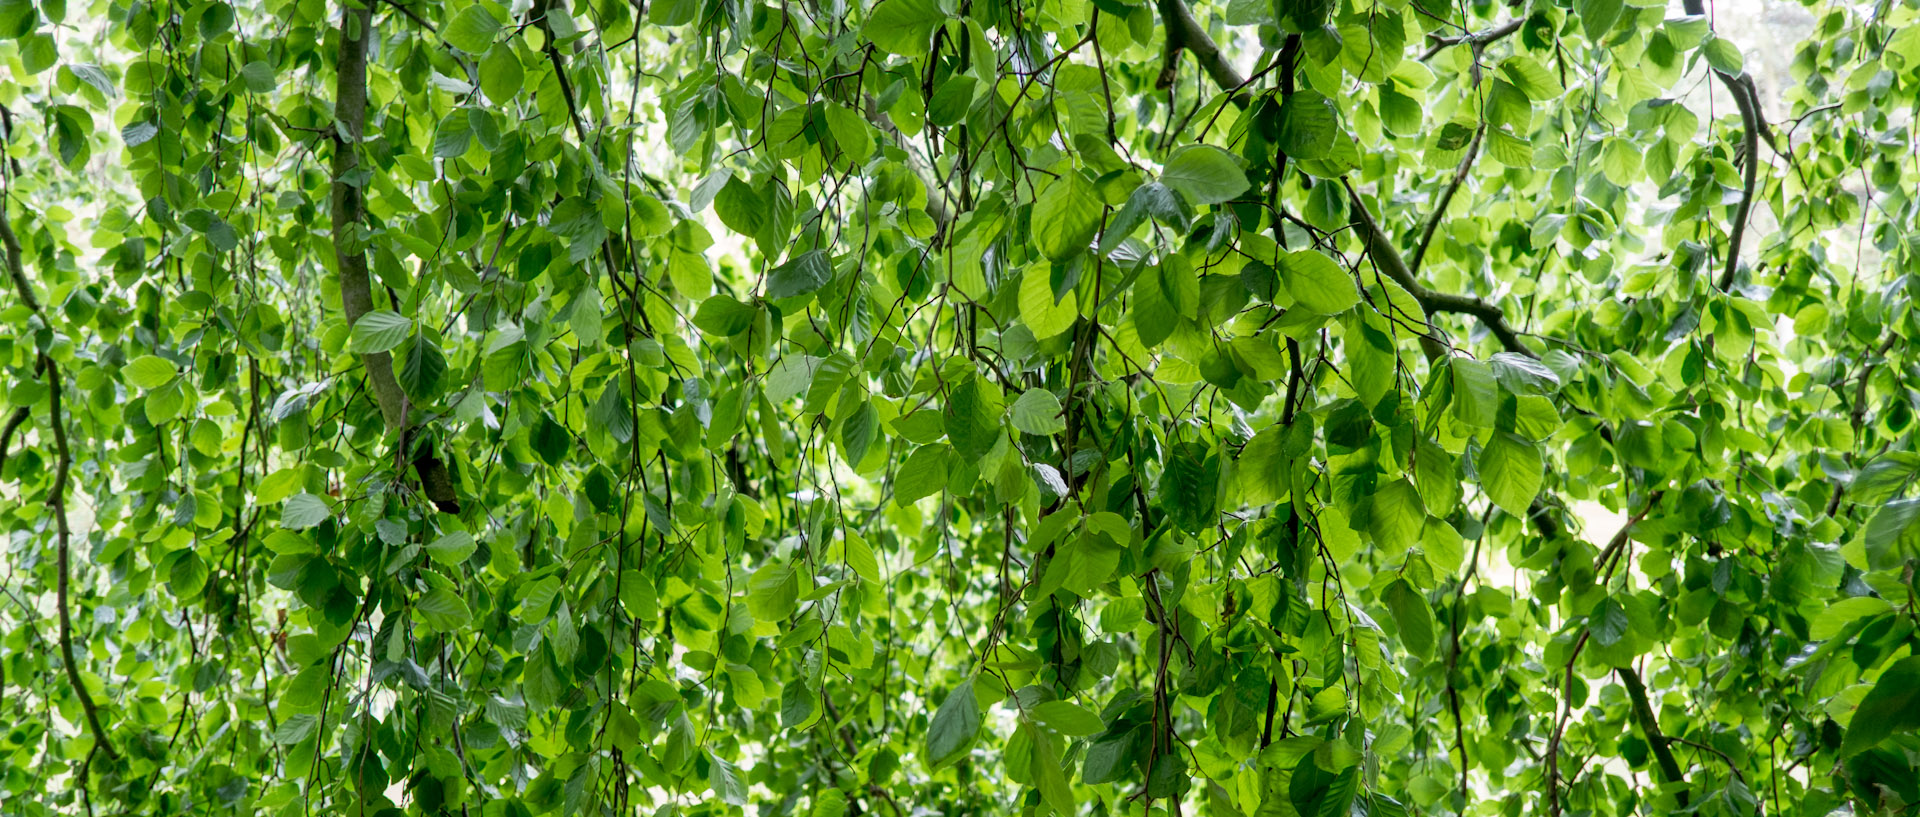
1307,408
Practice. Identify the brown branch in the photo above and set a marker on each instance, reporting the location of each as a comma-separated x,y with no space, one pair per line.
1466,162
1477,39
1747,97
1856,416
1650,726
1609,556
349,206
1453,663
350,258
1617,544
1560,726
412,15
57,494
14,420
1388,260
1185,34
1446,195
937,207
539,14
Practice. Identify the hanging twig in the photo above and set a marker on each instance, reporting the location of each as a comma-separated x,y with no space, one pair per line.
57,494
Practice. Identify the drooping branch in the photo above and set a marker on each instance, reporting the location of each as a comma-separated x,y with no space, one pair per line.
551,48
1747,98
1477,39
350,257
1461,171
1609,557
1446,197
1388,260
1856,414
937,207
1650,726
1185,34
57,494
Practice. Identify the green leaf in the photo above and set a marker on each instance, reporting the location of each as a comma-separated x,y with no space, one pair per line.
1188,486
773,593
724,780
1835,617
799,706
1510,472
380,331
423,369
453,548
501,76
1038,412
722,315
1068,718
923,474
1412,615
740,207
1892,533
1892,706
1724,56
954,726
1316,283
304,510
904,27
443,610
1598,16
1608,622
1396,518
1049,777
1066,217
1045,315
472,30
800,275
1476,395
1309,124
149,372
972,417
1204,175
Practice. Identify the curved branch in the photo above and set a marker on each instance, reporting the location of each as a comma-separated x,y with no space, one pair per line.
936,193
57,495
1747,97
1185,34
1388,260
350,258
1446,195
1477,39
1650,726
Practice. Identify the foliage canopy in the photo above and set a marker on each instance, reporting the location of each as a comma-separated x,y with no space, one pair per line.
1240,408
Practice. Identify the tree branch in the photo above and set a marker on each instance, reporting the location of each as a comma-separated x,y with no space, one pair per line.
937,207
350,258
1446,195
1650,726
539,14
1747,97
1477,39
57,494
1185,34
1856,415
1388,260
